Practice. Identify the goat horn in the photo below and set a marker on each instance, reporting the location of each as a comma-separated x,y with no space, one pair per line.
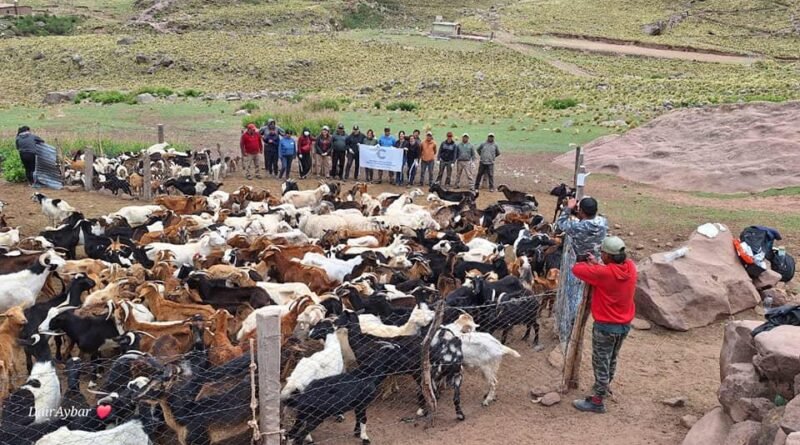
99,393
146,333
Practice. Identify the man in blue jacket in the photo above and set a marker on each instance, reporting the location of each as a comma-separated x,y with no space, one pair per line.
387,140
287,150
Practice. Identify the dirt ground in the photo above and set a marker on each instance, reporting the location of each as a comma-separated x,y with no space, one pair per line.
654,365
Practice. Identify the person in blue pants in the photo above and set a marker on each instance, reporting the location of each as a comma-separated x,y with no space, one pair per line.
287,150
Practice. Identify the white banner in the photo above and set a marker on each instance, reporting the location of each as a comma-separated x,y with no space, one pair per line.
380,158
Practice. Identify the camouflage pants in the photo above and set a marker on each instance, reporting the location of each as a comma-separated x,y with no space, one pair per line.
605,349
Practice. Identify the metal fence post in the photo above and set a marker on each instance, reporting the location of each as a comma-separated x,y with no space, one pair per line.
88,169
269,375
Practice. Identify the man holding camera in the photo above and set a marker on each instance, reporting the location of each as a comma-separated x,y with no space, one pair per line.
588,231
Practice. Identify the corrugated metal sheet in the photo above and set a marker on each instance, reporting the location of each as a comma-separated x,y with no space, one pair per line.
47,173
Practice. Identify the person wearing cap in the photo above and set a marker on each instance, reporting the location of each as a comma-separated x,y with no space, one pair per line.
287,152
251,146
26,143
353,154
447,157
584,226
488,152
428,157
386,140
613,309
339,150
465,157
305,148
371,140
322,153
272,140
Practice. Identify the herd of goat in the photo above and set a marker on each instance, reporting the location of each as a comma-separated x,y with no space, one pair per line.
162,306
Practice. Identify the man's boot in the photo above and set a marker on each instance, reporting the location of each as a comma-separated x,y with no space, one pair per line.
593,404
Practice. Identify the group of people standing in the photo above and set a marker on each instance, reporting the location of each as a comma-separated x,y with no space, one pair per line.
336,154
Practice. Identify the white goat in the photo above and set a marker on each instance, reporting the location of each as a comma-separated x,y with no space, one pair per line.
396,248
9,238
325,363
306,198
55,209
420,316
22,288
481,350
184,253
131,432
335,268
136,215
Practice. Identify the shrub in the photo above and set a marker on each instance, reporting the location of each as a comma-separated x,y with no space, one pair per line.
362,16
323,105
377,105
53,25
191,93
13,171
106,97
402,106
560,104
155,91
249,106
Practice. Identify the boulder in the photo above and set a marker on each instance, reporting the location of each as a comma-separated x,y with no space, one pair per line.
556,358
780,438
145,98
696,289
741,382
778,357
766,279
744,433
688,421
737,345
641,324
750,409
790,422
712,429
675,402
57,97
793,439
241,113
776,297
770,427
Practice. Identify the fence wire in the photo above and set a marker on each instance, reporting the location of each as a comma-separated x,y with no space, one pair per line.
570,294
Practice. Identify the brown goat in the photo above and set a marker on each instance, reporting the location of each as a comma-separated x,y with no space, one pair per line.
182,205
221,350
9,348
180,330
166,310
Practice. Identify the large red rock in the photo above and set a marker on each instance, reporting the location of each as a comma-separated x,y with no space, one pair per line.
790,422
778,357
737,345
743,433
741,384
706,284
712,429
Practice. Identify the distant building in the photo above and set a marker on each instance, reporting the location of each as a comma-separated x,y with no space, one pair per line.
12,9
446,29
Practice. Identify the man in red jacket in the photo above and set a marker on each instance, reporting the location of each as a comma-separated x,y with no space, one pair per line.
613,309
251,146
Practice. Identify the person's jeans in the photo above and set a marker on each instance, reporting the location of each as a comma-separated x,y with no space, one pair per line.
605,349
445,166
322,165
488,170
466,168
286,166
271,161
338,164
426,166
29,162
411,171
351,158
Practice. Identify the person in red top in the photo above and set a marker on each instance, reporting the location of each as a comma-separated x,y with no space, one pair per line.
251,146
614,283
305,143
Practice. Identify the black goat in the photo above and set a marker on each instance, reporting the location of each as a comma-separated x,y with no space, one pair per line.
191,188
498,265
67,236
116,184
230,298
563,192
449,195
288,186
517,196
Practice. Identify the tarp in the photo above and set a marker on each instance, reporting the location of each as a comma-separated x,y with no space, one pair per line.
47,173
380,158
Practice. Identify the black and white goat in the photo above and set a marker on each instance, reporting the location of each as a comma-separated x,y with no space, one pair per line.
54,209
36,401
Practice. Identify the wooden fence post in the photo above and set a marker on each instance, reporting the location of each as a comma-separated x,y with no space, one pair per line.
578,163
88,169
269,375
160,133
147,177
581,181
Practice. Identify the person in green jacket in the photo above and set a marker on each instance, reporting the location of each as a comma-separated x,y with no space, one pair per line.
488,152
465,157
339,148
369,140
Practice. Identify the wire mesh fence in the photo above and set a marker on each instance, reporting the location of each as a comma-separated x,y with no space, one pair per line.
570,294
335,377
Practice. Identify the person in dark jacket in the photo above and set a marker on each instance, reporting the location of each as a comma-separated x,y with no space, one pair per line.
287,149
412,158
26,146
370,140
339,148
402,143
487,153
447,157
355,138
305,148
322,153
272,140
